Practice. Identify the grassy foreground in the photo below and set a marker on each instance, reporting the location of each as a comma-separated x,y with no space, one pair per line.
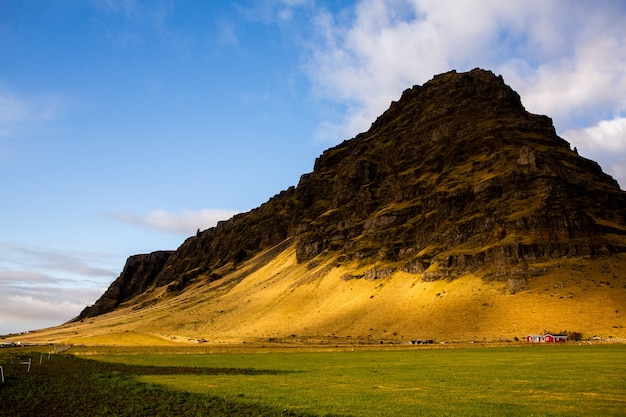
64,385
523,380
536,380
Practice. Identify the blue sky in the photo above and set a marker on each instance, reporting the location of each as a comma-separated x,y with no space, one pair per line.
126,125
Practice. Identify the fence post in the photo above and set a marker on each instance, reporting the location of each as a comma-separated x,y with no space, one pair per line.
2,373
28,362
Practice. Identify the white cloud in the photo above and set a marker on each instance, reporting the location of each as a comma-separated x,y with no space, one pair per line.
29,307
605,141
11,109
386,46
139,16
129,8
34,308
19,109
566,59
20,113
607,135
17,256
43,287
582,87
271,11
227,33
18,278
184,222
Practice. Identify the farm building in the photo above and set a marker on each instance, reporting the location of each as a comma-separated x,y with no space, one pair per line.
548,338
556,338
535,338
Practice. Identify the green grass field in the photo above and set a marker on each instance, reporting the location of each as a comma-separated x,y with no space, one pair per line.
514,381
534,380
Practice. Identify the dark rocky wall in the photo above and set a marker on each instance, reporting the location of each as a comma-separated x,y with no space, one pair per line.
455,173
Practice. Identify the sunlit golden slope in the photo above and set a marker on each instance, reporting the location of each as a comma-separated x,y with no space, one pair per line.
287,302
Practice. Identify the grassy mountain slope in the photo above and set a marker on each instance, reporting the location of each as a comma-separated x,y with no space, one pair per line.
289,303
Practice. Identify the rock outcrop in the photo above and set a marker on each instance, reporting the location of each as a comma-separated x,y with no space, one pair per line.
455,176
138,274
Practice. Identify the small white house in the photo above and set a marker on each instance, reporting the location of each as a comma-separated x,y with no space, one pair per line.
535,338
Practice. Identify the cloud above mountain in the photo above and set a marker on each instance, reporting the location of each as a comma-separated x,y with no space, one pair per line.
184,222
566,65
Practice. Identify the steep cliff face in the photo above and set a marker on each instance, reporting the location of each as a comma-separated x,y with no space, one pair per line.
459,176
454,177
138,274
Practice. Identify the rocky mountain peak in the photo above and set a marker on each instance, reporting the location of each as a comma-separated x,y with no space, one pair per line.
455,93
455,177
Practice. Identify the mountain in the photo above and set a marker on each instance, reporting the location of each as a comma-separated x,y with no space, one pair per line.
455,188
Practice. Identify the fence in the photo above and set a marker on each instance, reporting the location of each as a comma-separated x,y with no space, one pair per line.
27,363
61,349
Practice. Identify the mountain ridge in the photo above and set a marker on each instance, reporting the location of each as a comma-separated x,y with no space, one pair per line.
455,178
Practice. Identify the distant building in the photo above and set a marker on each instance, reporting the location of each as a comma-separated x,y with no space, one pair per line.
535,338
556,338
547,338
